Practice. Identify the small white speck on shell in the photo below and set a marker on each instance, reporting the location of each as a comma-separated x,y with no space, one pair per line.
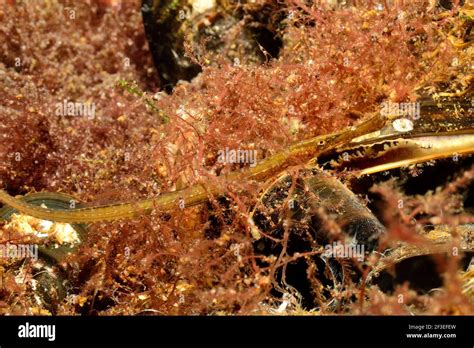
402,125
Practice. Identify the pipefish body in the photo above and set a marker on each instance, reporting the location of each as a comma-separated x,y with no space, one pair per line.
196,194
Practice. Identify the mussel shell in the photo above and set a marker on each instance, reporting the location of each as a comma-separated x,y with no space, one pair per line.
315,190
315,198
51,281
444,127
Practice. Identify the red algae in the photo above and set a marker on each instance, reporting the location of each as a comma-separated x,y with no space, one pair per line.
335,66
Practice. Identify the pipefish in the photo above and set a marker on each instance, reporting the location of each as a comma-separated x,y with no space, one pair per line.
439,121
199,193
